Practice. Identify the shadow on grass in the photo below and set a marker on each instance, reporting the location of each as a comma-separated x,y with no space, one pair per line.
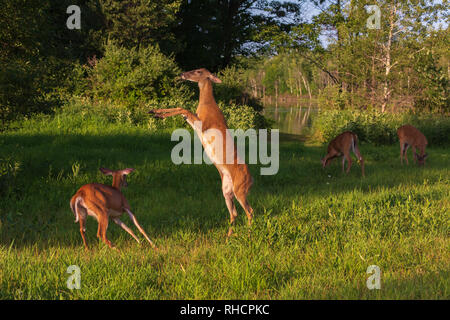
167,199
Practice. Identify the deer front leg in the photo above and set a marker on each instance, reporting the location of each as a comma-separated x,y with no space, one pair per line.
413,148
165,113
124,227
402,146
141,230
405,153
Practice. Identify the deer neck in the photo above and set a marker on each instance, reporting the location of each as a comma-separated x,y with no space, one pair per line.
116,183
206,93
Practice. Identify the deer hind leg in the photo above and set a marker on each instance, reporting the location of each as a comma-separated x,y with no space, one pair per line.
227,190
83,231
360,158
349,161
103,222
141,230
343,162
241,196
247,208
81,215
102,218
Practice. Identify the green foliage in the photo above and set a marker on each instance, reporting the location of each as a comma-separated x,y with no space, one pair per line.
8,172
37,51
212,34
332,97
134,23
233,89
243,117
378,128
81,113
134,76
433,84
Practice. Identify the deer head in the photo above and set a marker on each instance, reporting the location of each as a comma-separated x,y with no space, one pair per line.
199,75
119,176
421,159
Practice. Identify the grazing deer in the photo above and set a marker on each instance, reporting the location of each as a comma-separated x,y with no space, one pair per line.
236,178
341,145
103,202
410,136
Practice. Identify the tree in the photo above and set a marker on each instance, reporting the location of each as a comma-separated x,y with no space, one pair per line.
213,32
140,22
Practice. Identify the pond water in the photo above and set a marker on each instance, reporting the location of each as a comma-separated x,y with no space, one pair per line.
290,119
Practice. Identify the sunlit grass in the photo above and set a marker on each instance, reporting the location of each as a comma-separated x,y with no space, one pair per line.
315,231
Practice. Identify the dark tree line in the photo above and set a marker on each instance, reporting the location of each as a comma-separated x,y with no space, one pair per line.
279,49
37,50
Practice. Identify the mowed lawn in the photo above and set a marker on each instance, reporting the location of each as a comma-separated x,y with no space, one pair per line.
314,235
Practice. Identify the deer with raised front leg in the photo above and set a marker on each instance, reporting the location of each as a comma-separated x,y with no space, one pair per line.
209,124
103,202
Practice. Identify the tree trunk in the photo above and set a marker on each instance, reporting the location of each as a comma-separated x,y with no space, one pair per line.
387,59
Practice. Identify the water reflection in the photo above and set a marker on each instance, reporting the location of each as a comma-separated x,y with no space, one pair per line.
292,120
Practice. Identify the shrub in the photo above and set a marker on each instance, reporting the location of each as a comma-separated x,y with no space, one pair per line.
80,115
232,90
27,88
378,128
243,117
131,76
8,172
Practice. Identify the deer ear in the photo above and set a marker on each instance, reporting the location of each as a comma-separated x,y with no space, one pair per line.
127,170
106,171
214,79
425,155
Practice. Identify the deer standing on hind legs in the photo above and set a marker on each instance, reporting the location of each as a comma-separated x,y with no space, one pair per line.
103,202
341,146
410,136
220,148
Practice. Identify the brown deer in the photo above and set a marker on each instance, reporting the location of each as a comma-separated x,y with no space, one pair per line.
341,146
103,202
236,178
411,137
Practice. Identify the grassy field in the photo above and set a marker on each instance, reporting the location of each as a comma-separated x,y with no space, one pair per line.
315,231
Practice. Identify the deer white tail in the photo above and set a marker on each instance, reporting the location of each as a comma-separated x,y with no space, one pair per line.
74,207
355,147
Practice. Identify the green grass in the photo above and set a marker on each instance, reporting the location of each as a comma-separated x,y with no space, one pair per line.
315,231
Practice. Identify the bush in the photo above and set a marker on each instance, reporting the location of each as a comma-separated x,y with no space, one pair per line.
130,76
83,115
378,128
243,117
232,90
8,172
27,88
